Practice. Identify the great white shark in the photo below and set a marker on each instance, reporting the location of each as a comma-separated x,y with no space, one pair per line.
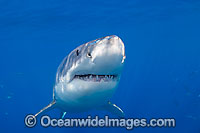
87,78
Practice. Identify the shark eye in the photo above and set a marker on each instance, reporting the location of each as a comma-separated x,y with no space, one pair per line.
77,52
89,55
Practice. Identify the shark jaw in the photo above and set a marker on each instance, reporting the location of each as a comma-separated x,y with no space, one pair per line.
84,94
96,78
86,91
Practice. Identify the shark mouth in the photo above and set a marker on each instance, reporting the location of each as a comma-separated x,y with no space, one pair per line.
96,78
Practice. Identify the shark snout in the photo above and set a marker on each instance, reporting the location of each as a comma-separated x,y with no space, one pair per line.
118,47
109,53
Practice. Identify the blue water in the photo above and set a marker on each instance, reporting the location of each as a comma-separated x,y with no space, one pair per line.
161,76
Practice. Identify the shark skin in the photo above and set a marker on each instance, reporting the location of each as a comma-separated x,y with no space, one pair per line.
88,77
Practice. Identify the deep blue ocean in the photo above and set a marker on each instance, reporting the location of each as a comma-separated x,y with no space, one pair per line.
160,79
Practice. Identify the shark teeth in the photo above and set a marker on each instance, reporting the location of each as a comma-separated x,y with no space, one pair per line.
96,78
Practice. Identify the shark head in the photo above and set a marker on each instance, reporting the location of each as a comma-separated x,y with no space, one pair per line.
100,57
91,72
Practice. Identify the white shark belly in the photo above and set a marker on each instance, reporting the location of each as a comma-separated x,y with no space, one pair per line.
78,95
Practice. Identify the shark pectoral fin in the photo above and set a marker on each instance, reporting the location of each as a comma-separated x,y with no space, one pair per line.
63,114
47,108
114,109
